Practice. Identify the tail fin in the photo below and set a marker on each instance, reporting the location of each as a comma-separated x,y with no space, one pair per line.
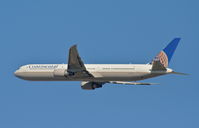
166,54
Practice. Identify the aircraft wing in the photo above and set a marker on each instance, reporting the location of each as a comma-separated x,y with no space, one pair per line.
89,85
76,66
130,83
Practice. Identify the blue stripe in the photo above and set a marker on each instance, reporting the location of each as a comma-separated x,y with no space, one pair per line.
171,47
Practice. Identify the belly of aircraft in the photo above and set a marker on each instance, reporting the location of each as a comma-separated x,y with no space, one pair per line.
120,76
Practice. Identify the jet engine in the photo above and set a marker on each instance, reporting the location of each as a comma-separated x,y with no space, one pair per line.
90,85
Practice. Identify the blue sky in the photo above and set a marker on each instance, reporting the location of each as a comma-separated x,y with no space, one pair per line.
106,31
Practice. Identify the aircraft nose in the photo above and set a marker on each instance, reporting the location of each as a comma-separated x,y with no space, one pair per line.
17,73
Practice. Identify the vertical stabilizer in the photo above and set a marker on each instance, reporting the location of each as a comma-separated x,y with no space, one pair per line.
166,54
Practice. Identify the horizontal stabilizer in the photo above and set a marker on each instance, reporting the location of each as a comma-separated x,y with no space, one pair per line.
157,66
179,73
131,83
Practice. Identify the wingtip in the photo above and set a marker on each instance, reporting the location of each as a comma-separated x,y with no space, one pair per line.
73,46
153,83
177,38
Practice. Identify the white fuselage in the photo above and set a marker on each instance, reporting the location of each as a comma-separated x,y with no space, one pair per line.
101,72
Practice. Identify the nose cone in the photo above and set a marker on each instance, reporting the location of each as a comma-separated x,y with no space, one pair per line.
18,73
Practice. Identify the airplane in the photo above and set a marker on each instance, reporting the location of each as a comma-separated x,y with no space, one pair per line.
94,76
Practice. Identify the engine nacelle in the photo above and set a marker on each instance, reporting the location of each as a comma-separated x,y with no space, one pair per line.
90,85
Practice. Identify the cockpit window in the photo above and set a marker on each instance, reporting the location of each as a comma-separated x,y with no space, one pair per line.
23,67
